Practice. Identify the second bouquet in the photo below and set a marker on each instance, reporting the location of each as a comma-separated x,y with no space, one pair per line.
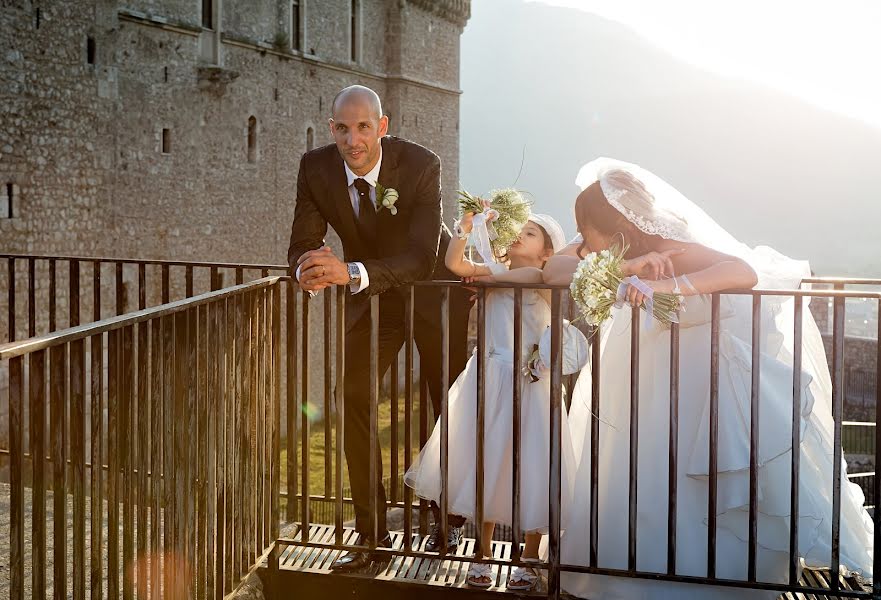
504,212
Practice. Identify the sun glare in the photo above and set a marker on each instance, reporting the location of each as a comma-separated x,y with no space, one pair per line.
826,53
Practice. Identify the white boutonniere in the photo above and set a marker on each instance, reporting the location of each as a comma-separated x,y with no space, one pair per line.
387,198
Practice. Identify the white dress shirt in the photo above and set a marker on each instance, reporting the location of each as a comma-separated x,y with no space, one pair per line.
371,178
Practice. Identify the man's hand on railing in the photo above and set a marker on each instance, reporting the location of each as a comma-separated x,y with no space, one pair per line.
321,268
476,279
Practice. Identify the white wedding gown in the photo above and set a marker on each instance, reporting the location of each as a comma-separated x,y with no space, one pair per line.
425,476
775,414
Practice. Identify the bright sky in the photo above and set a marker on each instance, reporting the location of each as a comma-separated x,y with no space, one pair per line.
825,52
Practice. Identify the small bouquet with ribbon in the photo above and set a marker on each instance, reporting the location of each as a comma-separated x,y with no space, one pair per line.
497,220
599,284
574,356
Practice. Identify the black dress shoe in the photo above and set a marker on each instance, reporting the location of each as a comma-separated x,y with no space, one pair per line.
357,560
436,543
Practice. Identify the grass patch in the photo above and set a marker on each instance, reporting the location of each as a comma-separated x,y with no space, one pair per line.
322,450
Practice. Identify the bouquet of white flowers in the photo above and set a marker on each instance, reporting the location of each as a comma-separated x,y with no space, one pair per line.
599,284
506,212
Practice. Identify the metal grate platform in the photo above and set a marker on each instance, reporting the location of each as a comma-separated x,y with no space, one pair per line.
304,568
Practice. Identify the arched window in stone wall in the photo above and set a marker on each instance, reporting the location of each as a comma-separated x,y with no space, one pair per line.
90,50
208,14
8,205
355,33
296,16
252,139
310,139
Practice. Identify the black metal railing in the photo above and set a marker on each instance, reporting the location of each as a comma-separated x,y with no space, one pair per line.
163,433
47,293
291,338
333,302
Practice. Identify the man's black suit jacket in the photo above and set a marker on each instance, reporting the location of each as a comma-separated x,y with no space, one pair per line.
409,246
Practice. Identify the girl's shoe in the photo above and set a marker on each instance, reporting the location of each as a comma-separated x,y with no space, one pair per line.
480,575
523,578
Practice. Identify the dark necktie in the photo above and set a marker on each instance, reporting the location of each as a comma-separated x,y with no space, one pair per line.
366,210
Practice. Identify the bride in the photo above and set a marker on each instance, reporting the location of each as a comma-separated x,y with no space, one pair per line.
672,245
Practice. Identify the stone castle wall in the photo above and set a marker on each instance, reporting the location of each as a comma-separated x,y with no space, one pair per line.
83,142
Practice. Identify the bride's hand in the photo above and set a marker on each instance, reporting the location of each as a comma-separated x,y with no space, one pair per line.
634,297
653,265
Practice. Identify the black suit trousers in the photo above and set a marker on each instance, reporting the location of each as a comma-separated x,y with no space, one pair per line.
427,334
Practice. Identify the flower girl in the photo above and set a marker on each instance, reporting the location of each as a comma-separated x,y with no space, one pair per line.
538,240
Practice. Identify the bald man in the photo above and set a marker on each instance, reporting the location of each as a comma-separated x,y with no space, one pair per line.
384,251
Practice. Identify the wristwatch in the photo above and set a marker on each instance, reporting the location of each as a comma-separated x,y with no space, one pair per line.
354,273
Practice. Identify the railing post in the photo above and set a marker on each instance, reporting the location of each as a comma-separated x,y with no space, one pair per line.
374,457
424,407
37,384
203,479
156,470
142,460
32,301
126,398
595,370
673,457
121,300
276,413
250,483
96,290
181,459
408,412
57,395
169,359
634,437
838,323
166,284
876,582
142,286
394,441
10,268
480,420
445,411
795,440
516,460
78,460
16,455
255,432
74,292
328,389
291,406
304,416
52,296
340,405
229,415
555,440
714,436
755,372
